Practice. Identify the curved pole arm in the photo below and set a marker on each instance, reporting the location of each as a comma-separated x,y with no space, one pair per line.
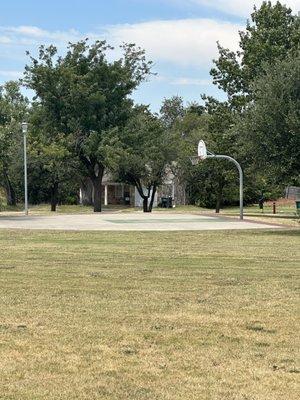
240,174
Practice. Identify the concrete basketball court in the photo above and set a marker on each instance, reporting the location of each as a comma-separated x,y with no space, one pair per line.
127,222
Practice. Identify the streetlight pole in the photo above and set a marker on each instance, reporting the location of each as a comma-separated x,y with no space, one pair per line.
24,131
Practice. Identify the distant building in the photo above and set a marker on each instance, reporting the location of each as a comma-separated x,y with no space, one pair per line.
292,192
113,193
116,193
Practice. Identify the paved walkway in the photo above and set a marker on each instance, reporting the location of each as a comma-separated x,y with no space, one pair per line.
127,222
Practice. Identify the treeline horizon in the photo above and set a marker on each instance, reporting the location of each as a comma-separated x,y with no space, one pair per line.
83,122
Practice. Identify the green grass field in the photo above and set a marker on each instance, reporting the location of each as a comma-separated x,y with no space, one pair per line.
181,315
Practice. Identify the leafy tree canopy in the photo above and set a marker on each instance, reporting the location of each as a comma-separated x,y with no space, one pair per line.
13,108
86,94
272,33
147,151
272,123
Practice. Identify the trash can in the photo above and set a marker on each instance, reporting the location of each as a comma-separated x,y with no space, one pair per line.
166,202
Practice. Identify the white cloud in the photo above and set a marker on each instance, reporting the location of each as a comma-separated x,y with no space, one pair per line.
184,81
5,40
181,81
242,8
187,42
27,30
10,74
32,35
184,42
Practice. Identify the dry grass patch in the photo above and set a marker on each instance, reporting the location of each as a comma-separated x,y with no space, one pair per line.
136,315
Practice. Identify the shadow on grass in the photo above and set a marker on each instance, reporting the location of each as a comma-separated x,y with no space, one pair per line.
286,232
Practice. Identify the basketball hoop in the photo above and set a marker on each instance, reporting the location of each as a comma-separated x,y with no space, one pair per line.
202,152
202,155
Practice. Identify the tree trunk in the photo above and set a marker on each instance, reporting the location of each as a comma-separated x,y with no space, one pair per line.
152,198
145,198
86,192
145,204
54,196
219,199
10,192
97,185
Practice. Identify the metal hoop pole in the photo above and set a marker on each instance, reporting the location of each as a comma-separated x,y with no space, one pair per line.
25,174
240,175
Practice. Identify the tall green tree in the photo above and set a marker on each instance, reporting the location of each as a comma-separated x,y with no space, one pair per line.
272,123
208,183
52,162
88,96
186,130
272,33
213,182
147,150
172,110
13,108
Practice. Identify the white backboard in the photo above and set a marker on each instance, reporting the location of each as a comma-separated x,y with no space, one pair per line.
202,152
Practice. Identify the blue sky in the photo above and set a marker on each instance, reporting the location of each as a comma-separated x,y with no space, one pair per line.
179,36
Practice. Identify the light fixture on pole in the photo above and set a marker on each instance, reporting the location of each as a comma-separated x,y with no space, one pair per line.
24,131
